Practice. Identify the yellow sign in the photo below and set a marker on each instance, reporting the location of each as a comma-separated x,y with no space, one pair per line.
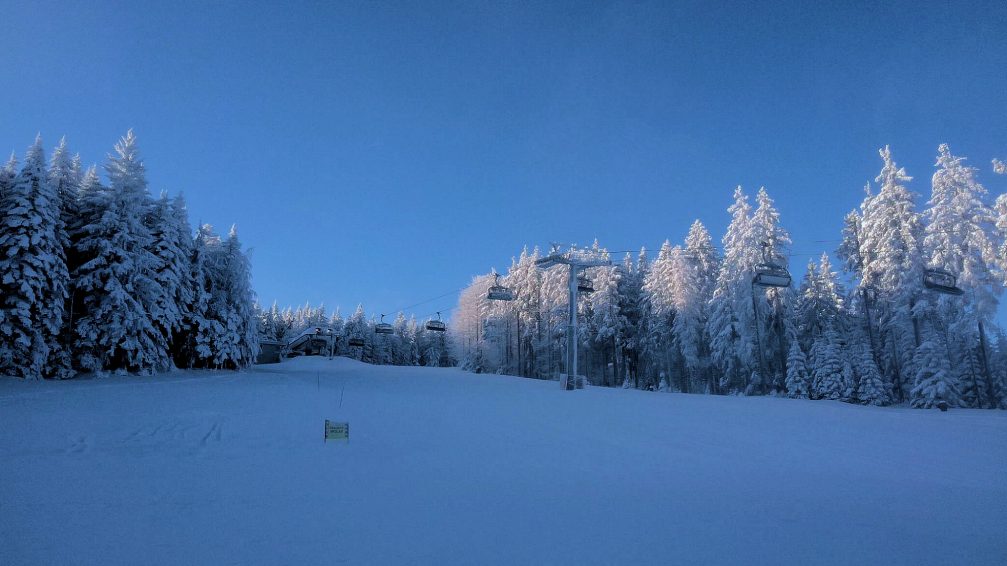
337,431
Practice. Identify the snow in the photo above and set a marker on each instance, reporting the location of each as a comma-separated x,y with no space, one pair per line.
447,467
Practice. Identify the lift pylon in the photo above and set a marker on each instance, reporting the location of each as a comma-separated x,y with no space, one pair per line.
577,259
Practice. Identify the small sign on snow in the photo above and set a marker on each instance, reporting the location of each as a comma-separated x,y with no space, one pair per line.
337,431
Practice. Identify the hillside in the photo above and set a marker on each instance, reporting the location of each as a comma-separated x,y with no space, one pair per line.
446,467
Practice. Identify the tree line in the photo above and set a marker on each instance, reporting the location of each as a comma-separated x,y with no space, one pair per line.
98,276
691,320
410,343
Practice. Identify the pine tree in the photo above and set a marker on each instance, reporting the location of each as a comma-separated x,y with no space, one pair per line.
234,343
399,342
934,382
829,378
631,307
33,274
7,174
199,330
892,268
64,178
168,306
798,382
185,292
114,282
872,389
608,321
693,288
732,322
849,249
960,239
658,295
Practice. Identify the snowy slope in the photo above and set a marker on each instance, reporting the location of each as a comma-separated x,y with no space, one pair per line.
445,467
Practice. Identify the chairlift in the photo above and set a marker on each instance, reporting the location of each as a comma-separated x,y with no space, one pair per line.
436,325
355,342
769,273
941,281
584,285
498,292
383,327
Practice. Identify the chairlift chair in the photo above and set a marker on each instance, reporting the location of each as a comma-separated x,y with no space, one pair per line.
498,292
436,325
383,327
355,342
584,285
771,275
941,281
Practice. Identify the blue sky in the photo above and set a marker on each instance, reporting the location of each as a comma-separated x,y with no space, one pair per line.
384,153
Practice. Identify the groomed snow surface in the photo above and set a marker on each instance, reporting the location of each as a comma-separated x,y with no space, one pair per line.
445,467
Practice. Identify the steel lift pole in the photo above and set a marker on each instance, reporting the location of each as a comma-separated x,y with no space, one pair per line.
576,259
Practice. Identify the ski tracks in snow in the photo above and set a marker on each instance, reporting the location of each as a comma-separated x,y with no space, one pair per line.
192,435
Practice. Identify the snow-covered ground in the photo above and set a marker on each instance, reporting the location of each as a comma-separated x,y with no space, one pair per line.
445,467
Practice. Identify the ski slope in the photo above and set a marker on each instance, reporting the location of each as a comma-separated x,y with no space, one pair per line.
445,467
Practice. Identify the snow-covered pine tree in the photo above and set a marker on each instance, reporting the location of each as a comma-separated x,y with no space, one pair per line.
960,239
934,381
658,296
892,268
849,249
412,337
468,326
806,320
198,330
630,290
64,177
399,342
861,311
115,279
798,381
694,284
829,380
186,291
732,322
872,389
33,274
91,202
608,322
820,305
173,290
7,174
231,304
526,282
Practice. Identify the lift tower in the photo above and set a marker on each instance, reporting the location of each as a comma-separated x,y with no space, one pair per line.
577,259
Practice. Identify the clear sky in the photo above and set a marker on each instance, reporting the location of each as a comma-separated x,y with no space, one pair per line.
385,152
